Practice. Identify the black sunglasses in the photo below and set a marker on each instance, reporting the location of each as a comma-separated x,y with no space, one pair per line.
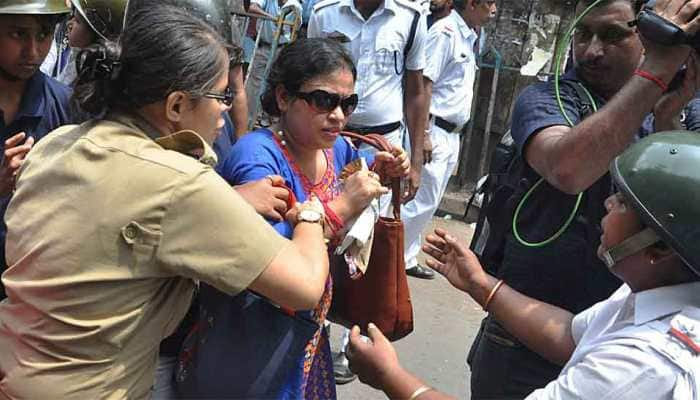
327,102
226,97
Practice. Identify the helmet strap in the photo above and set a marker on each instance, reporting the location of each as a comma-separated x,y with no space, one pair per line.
629,246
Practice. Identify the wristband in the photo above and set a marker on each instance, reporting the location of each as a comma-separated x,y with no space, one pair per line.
651,77
492,293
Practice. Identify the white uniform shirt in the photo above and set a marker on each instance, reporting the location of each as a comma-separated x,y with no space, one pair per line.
624,350
377,47
452,68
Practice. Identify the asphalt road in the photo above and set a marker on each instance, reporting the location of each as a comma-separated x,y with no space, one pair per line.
446,321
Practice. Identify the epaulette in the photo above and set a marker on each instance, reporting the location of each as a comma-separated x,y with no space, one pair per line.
324,3
413,5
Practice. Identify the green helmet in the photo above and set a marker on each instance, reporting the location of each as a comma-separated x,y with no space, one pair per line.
216,13
660,177
46,7
105,17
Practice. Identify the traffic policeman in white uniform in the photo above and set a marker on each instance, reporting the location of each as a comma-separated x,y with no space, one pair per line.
449,80
386,40
643,342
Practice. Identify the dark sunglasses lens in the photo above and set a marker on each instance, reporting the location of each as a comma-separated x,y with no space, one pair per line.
349,104
324,101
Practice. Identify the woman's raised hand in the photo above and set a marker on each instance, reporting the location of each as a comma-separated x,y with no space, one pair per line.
392,165
360,189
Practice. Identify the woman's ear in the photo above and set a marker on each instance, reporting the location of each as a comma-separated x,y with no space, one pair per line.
175,104
659,254
283,98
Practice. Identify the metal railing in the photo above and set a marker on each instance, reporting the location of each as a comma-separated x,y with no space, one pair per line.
283,26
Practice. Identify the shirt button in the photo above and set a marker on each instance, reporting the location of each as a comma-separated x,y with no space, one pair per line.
130,232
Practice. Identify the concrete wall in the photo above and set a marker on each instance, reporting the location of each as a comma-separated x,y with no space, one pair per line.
524,32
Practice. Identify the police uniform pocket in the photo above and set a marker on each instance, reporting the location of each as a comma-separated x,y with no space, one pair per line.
142,241
463,58
388,57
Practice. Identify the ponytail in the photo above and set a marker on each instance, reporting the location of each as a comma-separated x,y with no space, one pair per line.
161,50
98,85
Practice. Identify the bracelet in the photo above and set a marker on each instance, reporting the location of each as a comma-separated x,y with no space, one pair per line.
419,392
492,294
651,77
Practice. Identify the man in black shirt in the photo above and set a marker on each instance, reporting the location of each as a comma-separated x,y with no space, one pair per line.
573,159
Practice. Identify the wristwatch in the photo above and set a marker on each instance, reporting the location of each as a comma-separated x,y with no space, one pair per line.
309,215
311,211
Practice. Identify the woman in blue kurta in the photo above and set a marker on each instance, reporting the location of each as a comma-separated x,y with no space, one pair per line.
311,91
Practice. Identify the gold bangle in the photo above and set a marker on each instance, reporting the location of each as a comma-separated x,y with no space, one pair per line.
492,294
419,392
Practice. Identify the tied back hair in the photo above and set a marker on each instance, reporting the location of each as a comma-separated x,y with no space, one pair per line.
300,62
162,50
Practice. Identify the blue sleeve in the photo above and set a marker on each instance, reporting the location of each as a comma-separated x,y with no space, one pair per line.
252,158
537,108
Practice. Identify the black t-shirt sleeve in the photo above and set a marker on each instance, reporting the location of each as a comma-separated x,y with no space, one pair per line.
536,108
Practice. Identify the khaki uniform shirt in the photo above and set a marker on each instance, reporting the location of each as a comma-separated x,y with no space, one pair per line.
108,231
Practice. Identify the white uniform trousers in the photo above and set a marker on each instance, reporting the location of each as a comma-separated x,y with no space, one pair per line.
434,179
396,139
256,79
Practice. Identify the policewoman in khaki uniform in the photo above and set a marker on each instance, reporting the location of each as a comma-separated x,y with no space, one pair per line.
113,221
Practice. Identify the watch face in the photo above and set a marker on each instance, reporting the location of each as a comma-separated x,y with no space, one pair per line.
309,216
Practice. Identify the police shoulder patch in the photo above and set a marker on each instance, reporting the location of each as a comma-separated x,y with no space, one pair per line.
686,331
447,30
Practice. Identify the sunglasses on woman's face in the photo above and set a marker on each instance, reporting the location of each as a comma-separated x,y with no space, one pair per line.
226,97
327,102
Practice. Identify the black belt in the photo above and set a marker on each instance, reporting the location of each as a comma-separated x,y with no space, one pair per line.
379,129
446,125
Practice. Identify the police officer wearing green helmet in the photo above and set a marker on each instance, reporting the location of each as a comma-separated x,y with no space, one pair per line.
643,342
31,103
91,21
104,17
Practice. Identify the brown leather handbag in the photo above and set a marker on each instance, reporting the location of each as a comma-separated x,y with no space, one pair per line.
381,296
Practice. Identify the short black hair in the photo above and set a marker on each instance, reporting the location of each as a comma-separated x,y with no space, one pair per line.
300,62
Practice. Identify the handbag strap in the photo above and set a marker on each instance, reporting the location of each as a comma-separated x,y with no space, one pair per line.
380,143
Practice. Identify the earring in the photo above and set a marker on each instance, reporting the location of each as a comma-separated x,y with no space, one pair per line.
652,260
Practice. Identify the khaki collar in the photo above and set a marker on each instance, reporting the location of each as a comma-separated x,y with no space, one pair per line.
185,142
190,143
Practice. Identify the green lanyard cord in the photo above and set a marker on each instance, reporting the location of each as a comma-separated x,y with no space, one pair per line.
563,46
